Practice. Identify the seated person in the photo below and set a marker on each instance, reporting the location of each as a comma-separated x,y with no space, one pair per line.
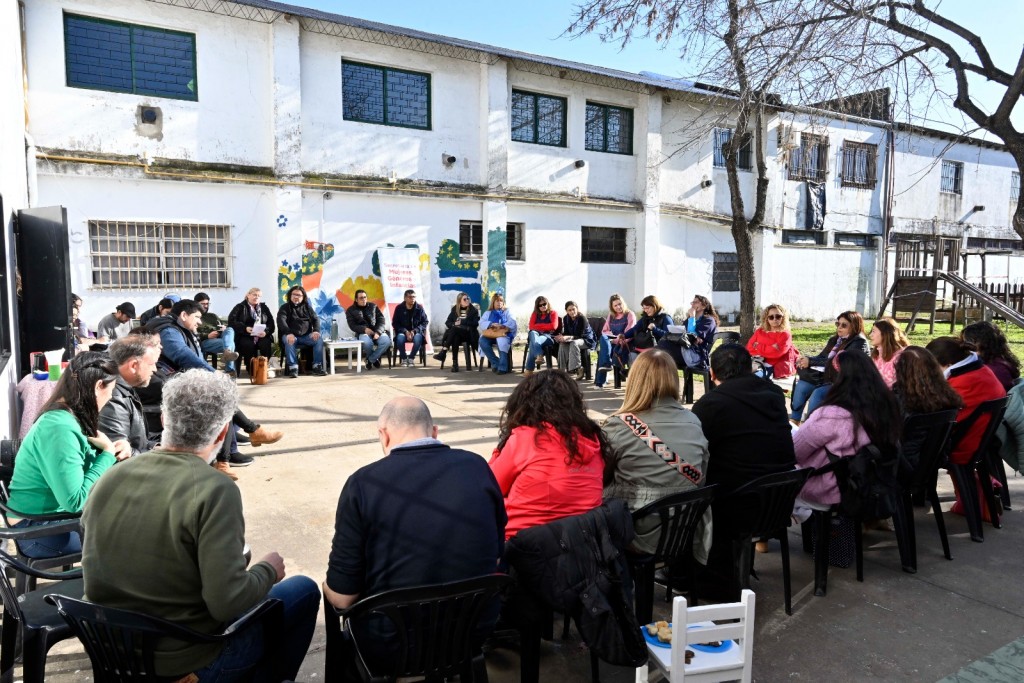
773,342
701,325
499,323
424,514
613,347
575,336
549,461
460,328
651,415
251,341
135,356
409,324
64,453
82,337
214,336
813,384
179,554
116,324
543,325
367,323
299,325
994,351
163,307
887,342
650,328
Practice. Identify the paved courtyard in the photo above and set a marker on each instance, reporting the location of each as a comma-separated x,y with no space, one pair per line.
894,626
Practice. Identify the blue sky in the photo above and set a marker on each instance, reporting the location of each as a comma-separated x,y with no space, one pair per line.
537,27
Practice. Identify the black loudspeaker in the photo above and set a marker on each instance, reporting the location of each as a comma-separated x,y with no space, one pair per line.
44,304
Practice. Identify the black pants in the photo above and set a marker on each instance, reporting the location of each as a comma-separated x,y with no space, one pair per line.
456,335
247,348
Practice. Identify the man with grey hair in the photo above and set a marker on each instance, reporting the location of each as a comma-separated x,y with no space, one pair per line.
166,537
425,513
122,417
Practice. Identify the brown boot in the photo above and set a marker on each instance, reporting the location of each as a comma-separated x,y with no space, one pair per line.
263,435
224,468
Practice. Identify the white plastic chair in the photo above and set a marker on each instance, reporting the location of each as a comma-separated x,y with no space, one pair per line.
696,625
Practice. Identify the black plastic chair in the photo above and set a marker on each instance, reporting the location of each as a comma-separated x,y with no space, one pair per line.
550,352
121,643
981,462
925,440
469,349
688,373
680,514
768,501
30,616
435,630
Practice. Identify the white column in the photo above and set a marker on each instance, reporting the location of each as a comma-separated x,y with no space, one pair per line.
647,264
495,126
286,114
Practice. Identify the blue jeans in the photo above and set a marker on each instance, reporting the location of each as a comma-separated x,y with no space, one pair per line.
373,350
806,393
226,341
401,339
241,655
817,396
291,356
499,360
536,343
67,543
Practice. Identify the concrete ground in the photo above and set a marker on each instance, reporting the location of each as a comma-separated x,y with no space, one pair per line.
894,626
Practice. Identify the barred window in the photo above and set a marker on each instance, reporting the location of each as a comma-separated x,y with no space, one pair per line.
609,129
126,254
539,119
471,238
725,275
1014,186
952,177
111,55
603,245
810,160
391,97
722,136
803,237
858,168
855,239
514,233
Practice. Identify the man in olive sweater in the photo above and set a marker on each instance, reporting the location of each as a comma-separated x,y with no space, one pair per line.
166,537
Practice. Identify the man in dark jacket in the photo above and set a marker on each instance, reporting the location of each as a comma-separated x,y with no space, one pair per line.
298,325
163,307
410,325
367,323
121,418
747,427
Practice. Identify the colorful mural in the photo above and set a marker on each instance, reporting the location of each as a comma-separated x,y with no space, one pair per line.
308,275
457,275
496,254
346,294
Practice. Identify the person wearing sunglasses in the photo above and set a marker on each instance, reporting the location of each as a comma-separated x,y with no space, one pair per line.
460,328
813,384
544,324
773,342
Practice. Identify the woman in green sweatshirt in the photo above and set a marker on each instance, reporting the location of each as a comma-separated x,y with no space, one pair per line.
64,453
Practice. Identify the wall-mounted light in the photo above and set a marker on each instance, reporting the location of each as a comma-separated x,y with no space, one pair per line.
977,208
448,159
706,183
580,163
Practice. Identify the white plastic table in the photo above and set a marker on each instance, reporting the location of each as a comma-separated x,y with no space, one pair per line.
346,345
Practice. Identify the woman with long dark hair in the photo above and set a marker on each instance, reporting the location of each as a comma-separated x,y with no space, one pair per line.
921,388
549,460
857,410
887,343
543,326
993,349
65,453
650,328
813,384
613,347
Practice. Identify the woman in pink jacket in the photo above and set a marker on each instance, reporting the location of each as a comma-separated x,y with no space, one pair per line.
887,343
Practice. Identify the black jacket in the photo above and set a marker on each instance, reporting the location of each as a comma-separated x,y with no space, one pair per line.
579,328
298,320
747,427
122,418
577,565
361,318
855,343
241,317
472,320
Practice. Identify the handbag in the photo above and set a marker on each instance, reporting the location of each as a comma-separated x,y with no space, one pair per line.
495,332
692,358
258,369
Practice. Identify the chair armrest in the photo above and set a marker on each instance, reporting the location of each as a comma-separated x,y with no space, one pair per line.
41,531
23,568
7,510
268,608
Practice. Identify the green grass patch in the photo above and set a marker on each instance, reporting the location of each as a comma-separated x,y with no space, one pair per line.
811,338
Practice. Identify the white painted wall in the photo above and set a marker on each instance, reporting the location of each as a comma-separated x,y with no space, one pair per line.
13,189
230,123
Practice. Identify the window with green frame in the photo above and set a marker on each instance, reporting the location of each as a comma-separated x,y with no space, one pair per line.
609,129
539,119
390,97
109,55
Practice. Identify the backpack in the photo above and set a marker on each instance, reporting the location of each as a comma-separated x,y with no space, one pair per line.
869,483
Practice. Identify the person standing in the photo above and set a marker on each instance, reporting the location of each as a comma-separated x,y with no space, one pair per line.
299,325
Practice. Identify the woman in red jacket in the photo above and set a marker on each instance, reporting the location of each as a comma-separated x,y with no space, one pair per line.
543,324
773,342
549,461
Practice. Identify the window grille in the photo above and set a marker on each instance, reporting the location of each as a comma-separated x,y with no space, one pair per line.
390,97
603,245
855,239
1014,186
722,136
952,177
858,166
803,237
609,129
539,119
119,57
471,238
134,255
810,160
514,233
725,275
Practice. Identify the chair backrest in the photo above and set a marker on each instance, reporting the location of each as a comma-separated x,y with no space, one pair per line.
925,438
680,513
435,626
9,566
596,324
769,500
121,643
995,408
733,664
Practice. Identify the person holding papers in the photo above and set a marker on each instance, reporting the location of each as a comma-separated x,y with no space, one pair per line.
253,324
